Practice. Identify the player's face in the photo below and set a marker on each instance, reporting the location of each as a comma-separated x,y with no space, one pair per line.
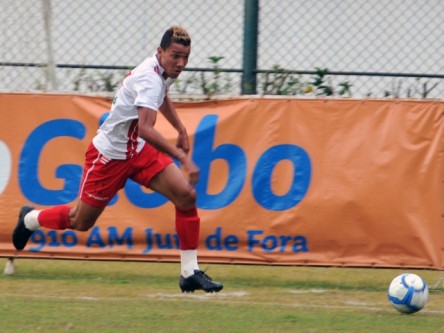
174,59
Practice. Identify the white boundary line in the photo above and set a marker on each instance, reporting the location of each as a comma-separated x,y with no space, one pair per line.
224,297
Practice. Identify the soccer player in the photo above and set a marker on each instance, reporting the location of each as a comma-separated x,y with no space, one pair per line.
128,145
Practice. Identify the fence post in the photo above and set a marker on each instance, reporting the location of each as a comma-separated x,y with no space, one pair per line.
249,66
50,65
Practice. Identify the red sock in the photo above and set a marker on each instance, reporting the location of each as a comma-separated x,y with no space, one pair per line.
187,228
55,218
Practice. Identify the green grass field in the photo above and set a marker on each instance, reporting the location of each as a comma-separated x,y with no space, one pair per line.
88,296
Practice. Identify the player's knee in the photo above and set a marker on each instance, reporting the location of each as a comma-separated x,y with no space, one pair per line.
186,199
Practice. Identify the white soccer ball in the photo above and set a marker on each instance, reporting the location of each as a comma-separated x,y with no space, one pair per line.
408,293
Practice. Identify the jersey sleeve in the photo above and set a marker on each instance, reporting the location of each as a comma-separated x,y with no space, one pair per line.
148,91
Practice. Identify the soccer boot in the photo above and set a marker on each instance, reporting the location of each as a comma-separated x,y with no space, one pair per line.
21,234
199,281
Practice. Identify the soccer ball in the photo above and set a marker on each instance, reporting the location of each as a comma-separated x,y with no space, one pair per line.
408,293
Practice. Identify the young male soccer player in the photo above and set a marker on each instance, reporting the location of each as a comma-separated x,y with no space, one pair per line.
127,145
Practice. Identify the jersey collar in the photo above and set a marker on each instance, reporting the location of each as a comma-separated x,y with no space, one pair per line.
159,69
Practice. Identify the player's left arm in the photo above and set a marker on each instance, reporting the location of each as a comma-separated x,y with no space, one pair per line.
169,112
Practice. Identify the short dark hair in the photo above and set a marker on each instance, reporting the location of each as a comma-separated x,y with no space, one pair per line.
175,34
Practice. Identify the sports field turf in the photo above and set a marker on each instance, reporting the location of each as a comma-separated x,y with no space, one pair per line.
88,296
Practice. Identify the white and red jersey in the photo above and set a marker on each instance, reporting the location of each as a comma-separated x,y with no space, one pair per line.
145,86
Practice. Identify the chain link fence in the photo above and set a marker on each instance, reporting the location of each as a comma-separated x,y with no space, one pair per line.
404,38
357,48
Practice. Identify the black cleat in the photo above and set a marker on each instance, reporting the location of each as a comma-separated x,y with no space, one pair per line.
199,281
21,235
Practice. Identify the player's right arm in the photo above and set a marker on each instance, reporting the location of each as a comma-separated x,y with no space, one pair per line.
147,119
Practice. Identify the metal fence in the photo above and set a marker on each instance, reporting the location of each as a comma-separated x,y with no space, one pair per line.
357,48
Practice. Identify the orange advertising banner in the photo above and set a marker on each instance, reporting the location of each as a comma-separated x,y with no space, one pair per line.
283,181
